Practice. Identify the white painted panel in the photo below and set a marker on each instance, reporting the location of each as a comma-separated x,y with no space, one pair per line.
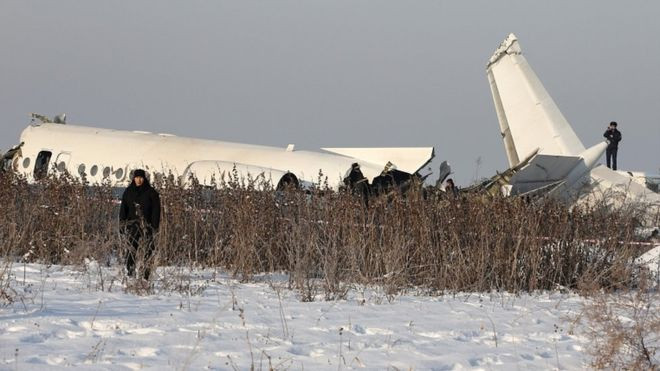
529,112
128,150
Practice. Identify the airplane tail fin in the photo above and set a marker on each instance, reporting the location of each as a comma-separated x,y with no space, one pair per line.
529,118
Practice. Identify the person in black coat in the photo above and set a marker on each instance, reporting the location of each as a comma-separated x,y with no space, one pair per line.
450,188
357,183
139,216
613,138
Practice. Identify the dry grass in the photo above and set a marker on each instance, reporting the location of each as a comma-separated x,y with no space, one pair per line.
327,241
7,294
624,329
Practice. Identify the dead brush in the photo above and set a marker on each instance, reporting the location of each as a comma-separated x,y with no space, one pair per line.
327,241
7,294
58,220
623,328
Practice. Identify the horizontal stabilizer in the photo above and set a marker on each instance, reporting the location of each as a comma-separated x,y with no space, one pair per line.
543,170
406,159
546,168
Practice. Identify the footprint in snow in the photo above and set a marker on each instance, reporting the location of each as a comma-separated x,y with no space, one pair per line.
34,339
358,329
299,351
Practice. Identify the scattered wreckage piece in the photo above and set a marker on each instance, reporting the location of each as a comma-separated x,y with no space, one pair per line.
9,160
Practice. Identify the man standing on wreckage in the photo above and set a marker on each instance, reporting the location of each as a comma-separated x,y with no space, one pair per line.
139,217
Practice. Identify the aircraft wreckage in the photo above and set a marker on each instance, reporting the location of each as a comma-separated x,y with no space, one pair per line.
106,156
545,155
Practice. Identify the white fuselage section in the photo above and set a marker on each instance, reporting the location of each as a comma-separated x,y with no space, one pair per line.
108,156
650,181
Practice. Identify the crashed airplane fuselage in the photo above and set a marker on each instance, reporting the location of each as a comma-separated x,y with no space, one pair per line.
106,156
545,154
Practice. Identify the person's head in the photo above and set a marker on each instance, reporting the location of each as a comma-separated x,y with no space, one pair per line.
139,177
450,182
613,125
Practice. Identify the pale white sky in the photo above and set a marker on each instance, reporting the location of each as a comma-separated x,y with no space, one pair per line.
331,73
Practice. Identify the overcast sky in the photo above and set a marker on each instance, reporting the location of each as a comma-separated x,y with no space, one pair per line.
331,73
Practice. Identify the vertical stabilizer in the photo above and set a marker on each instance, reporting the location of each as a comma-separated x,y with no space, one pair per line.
528,117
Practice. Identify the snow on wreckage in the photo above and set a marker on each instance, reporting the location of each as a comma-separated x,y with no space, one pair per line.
101,157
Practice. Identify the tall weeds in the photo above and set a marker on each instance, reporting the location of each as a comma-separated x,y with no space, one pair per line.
327,240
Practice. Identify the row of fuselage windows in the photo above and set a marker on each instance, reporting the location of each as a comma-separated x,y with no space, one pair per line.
43,159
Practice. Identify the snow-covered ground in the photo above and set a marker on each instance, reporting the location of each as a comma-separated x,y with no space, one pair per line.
64,319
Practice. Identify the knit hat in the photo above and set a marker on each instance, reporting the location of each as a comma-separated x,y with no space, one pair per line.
139,172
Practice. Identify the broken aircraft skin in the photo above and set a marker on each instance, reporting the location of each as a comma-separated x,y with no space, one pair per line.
106,156
7,158
545,155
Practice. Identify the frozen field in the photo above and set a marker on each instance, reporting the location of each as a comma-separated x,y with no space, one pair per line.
65,320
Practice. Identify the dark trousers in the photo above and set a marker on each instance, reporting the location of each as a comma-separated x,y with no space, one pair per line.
610,154
140,241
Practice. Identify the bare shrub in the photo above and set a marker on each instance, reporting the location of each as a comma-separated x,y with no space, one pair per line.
7,294
624,330
58,220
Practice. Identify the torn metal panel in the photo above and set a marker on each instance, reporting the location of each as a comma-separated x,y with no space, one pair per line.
59,119
443,173
9,159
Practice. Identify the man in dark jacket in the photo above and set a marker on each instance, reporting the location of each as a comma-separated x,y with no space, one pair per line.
139,216
450,188
357,183
613,138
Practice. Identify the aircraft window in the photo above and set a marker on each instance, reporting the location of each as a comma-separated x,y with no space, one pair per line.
61,166
106,172
81,169
94,170
26,163
119,173
41,164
